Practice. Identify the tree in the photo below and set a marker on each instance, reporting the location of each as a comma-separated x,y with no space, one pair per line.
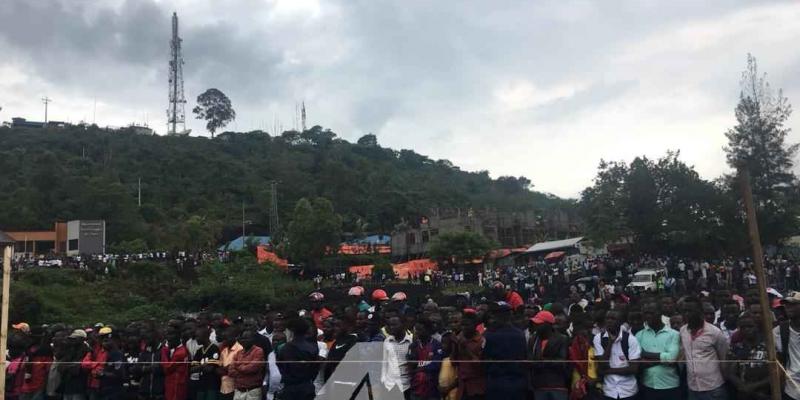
663,206
315,229
758,144
602,205
214,107
459,247
368,140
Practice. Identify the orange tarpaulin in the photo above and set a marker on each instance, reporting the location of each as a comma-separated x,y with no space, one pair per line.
361,270
263,255
402,270
414,267
364,249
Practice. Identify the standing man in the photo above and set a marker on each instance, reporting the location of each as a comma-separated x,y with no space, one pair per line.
614,349
787,342
174,361
297,362
660,347
318,312
247,368
505,379
205,363
750,376
704,347
468,348
394,369
549,377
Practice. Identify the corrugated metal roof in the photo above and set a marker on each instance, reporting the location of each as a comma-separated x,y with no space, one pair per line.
238,243
554,245
5,239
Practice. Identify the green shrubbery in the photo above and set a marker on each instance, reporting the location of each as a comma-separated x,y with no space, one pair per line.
148,291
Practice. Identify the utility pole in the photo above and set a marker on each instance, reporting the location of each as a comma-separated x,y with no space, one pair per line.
273,209
140,192
758,261
7,249
46,100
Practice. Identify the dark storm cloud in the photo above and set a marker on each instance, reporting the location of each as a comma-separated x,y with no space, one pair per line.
441,77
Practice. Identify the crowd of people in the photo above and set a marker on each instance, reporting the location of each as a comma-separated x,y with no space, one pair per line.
532,333
106,263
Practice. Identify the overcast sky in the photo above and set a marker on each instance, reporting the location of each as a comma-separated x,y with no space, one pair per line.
534,88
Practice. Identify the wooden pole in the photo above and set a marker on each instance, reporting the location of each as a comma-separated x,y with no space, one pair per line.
4,326
758,262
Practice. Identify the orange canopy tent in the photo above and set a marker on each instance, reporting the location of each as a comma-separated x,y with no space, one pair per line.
263,255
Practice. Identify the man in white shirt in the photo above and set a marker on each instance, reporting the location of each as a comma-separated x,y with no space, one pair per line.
787,343
394,370
614,348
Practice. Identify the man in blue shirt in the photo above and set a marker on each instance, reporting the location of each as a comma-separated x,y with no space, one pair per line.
660,347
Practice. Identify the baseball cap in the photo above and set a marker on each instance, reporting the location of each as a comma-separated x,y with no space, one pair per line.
316,296
22,326
379,294
792,298
356,291
78,334
543,317
399,296
104,331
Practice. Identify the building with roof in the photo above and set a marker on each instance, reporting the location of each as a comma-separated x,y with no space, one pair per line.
510,229
70,238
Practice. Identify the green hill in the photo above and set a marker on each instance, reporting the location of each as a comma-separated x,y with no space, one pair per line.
193,188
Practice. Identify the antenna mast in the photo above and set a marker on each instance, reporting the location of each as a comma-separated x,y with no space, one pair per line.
303,115
46,100
175,113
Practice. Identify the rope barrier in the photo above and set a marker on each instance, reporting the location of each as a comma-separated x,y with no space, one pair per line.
411,361
788,376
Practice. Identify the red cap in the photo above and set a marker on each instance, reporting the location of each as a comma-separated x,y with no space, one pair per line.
543,317
380,295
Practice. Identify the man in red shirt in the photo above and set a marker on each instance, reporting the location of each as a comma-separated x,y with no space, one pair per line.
94,362
509,296
247,368
35,366
318,312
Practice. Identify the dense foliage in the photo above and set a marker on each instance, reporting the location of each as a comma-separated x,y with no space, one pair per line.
314,230
758,144
192,188
456,248
664,206
148,290
661,206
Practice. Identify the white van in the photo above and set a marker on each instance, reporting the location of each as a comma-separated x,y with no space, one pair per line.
646,280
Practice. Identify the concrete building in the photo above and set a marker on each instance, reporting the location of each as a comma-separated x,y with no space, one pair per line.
509,229
70,238
86,237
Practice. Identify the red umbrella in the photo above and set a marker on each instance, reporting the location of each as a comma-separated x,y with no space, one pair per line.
554,256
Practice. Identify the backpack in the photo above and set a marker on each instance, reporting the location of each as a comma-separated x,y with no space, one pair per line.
623,343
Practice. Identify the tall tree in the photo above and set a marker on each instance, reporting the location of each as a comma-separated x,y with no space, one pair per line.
459,247
214,107
315,229
758,144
